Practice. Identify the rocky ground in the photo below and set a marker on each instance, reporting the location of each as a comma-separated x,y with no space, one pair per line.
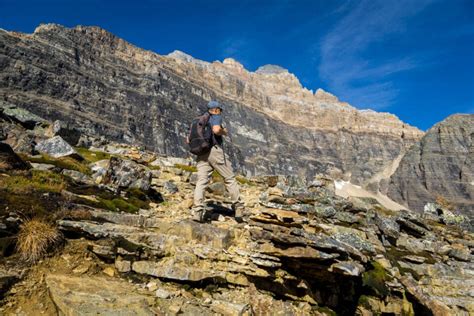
129,246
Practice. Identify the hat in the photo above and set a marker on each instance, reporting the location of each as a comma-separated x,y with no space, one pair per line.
214,104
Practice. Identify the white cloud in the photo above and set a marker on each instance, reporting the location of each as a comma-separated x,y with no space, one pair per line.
344,66
237,48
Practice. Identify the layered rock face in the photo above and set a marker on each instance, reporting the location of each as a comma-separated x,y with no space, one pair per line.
102,85
440,165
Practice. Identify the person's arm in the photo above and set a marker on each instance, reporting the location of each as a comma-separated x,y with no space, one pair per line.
218,130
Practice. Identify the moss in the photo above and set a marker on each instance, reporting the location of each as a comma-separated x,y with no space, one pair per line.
117,204
165,203
125,206
243,180
91,155
138,203
106,204
138,198
364,301
35,180
375,279
135,199
63,162
136,193
152,167
186,168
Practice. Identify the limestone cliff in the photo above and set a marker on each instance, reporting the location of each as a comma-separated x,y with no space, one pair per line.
440,165
101,85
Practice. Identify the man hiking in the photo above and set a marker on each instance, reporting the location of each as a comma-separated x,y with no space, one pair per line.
214,159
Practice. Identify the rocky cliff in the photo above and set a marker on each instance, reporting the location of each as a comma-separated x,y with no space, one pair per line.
99,84
441,165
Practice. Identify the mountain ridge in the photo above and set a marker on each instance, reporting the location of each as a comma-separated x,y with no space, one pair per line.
102,85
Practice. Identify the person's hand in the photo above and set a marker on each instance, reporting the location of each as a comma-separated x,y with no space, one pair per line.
225,131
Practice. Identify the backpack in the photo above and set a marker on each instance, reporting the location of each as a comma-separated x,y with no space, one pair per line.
200,135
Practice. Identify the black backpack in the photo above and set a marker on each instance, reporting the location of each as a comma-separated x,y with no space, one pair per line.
200,135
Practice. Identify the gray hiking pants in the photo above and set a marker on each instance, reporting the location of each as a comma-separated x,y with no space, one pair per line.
214,160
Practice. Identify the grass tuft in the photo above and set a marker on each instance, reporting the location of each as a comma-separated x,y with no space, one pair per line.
39,180
92,155
35,238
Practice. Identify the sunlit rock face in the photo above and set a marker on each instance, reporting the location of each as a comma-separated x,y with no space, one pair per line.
102,85
441,165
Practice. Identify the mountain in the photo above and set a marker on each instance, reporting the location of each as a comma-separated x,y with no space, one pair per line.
439,166
98,84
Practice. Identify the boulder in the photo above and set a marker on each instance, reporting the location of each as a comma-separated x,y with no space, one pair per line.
170,187
78,176
57,147
388,226
82,296
20,115
127,174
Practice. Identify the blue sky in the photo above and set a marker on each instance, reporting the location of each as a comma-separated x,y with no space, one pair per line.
413,58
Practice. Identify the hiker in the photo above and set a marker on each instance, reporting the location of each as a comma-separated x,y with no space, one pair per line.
208,148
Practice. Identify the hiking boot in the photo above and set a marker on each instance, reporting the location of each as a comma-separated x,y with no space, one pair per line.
198,215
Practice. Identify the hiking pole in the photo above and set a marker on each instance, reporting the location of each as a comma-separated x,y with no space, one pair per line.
223,152
228,134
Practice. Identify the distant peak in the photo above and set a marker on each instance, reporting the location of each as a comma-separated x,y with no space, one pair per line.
321,94
177,54
44,27
233,63
271,70
182,56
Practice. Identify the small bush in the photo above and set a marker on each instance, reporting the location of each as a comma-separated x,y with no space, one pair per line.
35,238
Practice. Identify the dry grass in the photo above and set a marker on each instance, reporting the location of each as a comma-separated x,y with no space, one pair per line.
35,238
